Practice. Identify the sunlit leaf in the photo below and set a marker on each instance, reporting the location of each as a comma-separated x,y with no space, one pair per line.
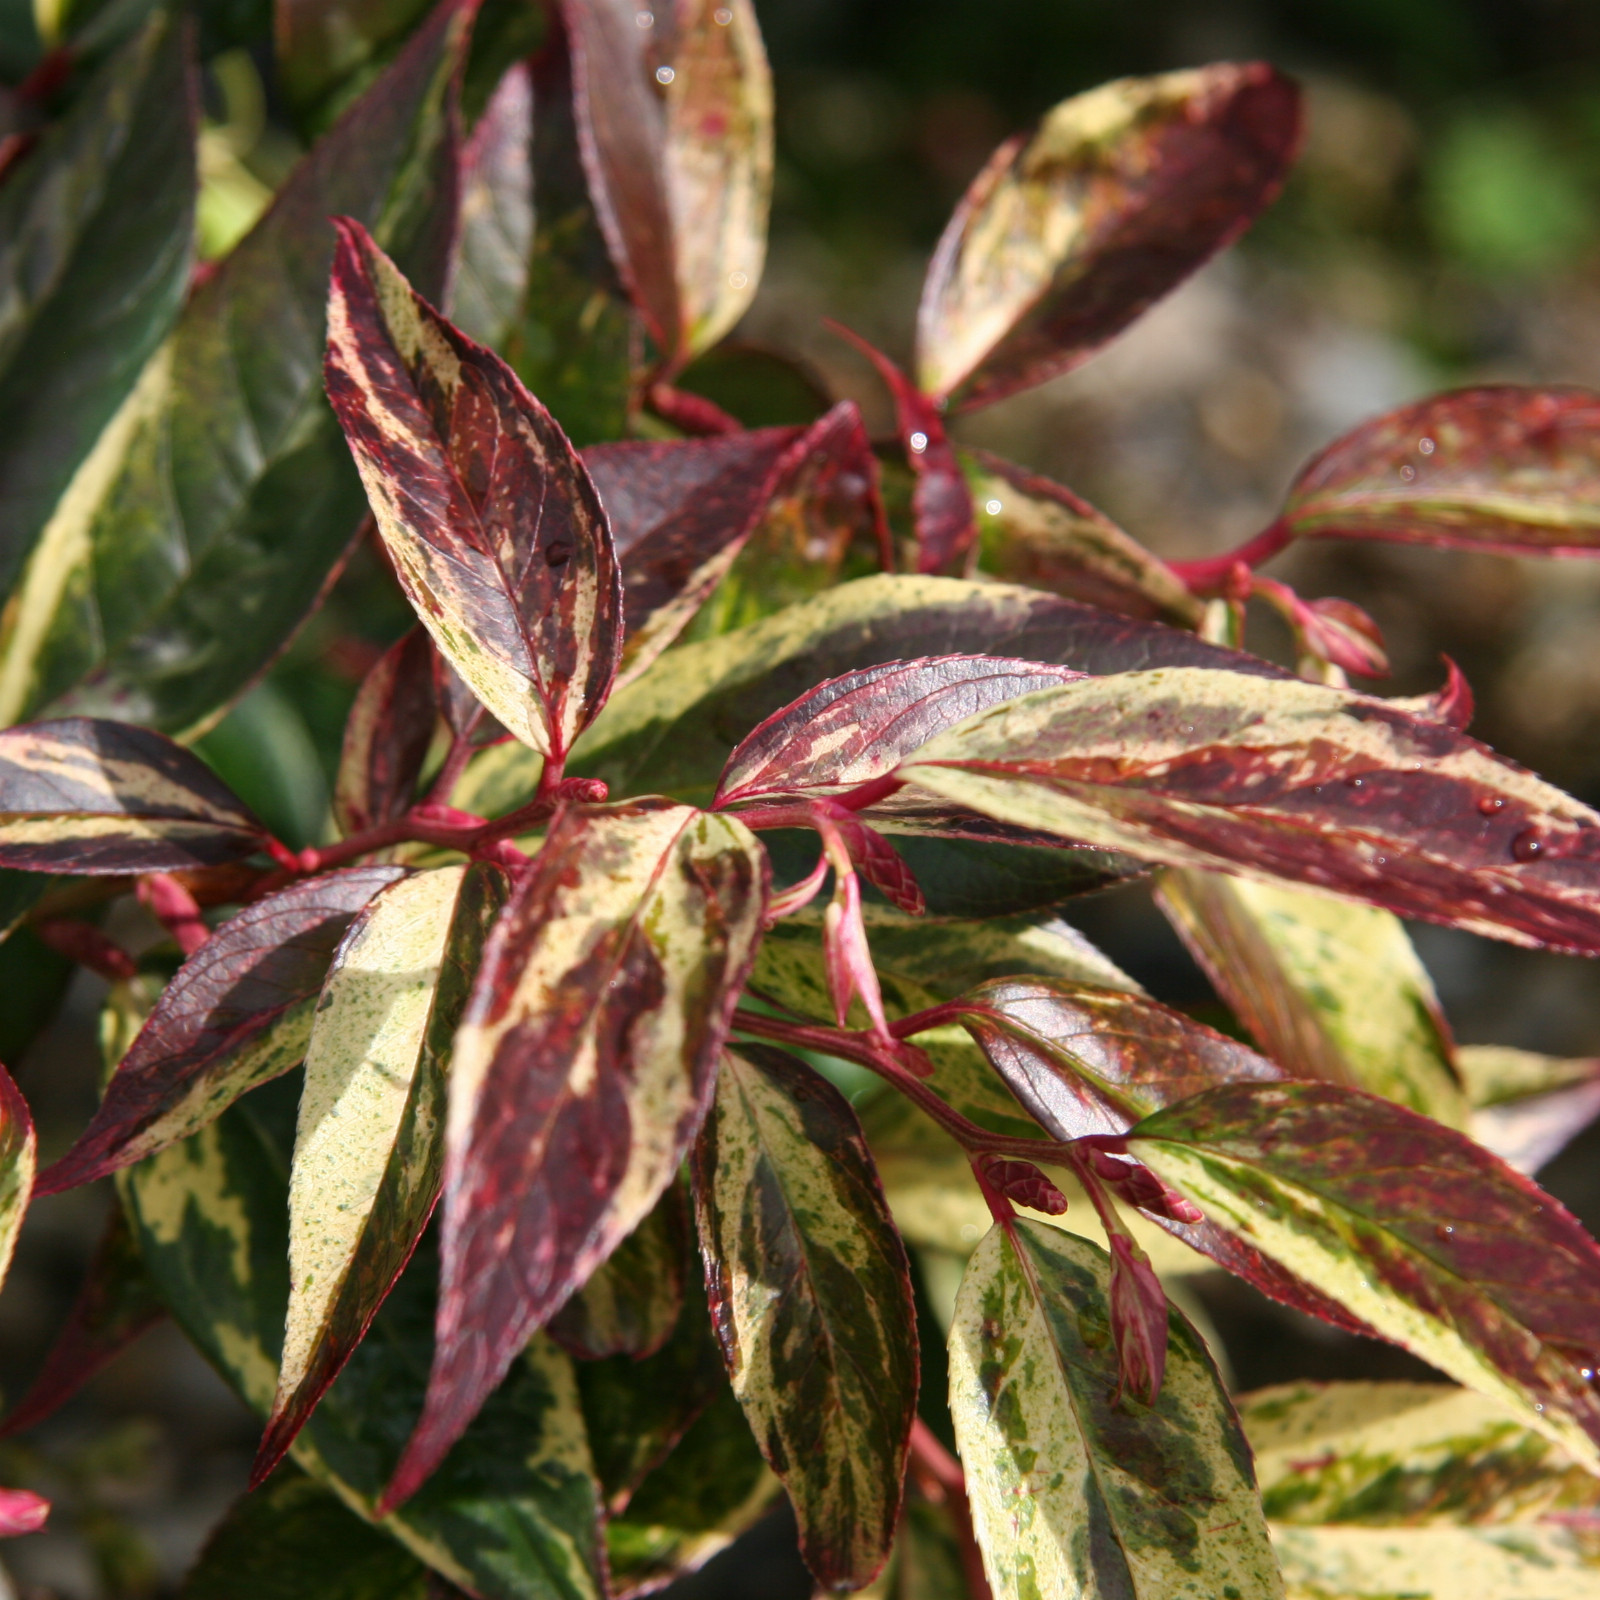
1421,1233
811,1299
1073,1491
386,736
1289,780
1071,231
237,1014
582,1071
1327,989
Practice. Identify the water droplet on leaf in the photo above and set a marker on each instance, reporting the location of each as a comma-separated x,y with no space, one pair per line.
557,553
918,442
1490,804
738,280
1408,472
1425,446
645,19
665,74
1355,783
993,507
722,16
1527,846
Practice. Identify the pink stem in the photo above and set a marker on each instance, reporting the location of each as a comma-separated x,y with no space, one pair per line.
1208,576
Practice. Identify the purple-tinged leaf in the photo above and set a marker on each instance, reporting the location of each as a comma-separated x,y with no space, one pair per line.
1024,1183
386,736
85,795
1138,1320
1037,532
1420,1232
1504,468
811,1300
674,104
1071,232
582,1070
1453,704
21,1512
1287,780
238,1013
876,860
846,957
494,529
118,1302
18,1160
1528,1134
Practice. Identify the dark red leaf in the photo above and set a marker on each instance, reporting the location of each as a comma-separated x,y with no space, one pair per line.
1025,1183
877,860
1138,1320
237,1013
387,735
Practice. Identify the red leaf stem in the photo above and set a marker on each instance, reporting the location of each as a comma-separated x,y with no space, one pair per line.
88,946
1208,576
693,413
175,908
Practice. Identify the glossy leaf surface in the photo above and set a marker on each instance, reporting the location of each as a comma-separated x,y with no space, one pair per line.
1352,1193
1074,1493
676,122
811,1298
494,529
111,186
205,522
582,1071
1070,232
1504,468
1327,989
386,736
368,1148
1286,780
237,1014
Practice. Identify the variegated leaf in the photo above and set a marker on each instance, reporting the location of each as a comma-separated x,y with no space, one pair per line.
1500,468
1074,1492
1113,200
1419,1232
1495,1074
582,1071
1404,1454
676,118
811,1299
386,736
85,795
1526,1107
495,531
369,1146
1194,767
237,1014
18,1155
1327,989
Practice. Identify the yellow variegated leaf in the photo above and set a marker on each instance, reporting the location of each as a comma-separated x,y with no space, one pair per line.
1495,1074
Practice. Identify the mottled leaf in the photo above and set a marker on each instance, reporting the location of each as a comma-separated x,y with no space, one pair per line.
1327,989
1113,200
386,736
1036,532
96,240
811,1298
207,519
582,1071
1502,468
1073,1492
319,46
116,1304
84,795
675,113
369,1144
1292,780
1494,1074
237,1014
494,529
18,1153
1425,1236
1403,1454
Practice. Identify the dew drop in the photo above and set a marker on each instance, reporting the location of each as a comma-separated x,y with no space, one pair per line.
1538,1405
645,19
722,16
557,553
736,280
665,74
1527,846
1355,783
1586,1373
993,507
1490,804
918,442
1380,861
1425,446
1408,472
1444,1229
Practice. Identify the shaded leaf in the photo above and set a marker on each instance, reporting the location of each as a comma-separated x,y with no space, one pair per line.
116,1304
1074,1493
1350,1192
1036,532
495,532
207,519
811,1299
96,241
1115,198
1501,468
1526,1134
84,795
1327,989
320,46
582,1071
237,1014
386,736
369,1143
18,1155
676,121
1293,780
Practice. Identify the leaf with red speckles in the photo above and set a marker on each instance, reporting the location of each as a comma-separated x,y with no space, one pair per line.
237,1014
1070,232
85,795
810,1296
1037,532
1503,468
674,106
386,736
1286,780
117,1302
1432,1241
494,529
582,1070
